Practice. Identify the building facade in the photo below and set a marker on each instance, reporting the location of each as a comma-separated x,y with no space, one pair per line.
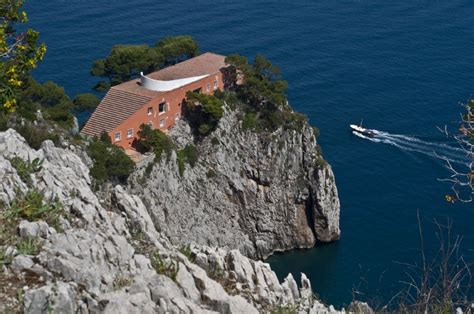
156,99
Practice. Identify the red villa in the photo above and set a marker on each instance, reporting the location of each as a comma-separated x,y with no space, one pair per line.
155,99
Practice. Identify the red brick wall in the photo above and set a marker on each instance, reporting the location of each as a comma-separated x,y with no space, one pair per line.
174,100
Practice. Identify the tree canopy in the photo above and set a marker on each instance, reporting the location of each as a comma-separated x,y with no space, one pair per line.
263,94
19,52
48,97
85,101
125,62
263,83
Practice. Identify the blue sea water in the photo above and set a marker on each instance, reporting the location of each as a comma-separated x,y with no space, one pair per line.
402,66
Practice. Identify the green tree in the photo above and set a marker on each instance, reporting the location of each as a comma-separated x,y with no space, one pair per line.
49,97
262,94
85,101
262,83
176,49
125,62
19,52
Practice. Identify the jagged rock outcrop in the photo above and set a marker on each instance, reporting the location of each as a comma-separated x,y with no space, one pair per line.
256,192
111,259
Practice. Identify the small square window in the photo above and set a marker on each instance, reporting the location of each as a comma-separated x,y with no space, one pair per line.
150,110
129,133
162,123
162,107
117,136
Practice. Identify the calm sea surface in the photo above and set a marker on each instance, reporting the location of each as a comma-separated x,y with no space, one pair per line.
402,66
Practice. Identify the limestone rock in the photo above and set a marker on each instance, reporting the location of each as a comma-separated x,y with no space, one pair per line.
22,262
98,262
34,229
255,192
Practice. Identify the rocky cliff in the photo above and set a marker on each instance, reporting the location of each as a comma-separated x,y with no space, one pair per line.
255,192
111,258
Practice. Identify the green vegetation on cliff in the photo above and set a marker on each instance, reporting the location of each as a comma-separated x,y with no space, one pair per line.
110,161
262,95
203,112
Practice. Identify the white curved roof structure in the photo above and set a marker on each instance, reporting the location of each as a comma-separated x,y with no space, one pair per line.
164,86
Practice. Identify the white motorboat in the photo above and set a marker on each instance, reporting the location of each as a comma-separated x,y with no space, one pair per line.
361,130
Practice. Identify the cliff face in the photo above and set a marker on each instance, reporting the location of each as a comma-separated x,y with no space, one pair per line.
112,259
256,192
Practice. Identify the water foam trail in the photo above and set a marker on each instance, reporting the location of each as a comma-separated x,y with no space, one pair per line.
409,139
441,149
407,146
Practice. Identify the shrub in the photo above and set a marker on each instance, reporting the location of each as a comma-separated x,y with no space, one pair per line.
110,161
211,174
155,140
187,251
32,207
181,162
203,112
4,258
230,97
167,268
249,121
60,114
149,169
25,169
204,129
285,309
36,135
186,155
3,121
29,246
122,282
215,141
190,154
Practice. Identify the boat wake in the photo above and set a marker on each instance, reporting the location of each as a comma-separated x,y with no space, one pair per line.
440,151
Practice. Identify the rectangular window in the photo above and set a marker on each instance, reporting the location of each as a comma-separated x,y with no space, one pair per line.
117,136
162,123
197,90
151,125
176,117
129,133
208,87
150,110
162,107
216,85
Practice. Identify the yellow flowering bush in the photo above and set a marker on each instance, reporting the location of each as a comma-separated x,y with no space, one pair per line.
19,52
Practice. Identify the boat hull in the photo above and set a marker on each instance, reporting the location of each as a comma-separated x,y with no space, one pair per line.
361,130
